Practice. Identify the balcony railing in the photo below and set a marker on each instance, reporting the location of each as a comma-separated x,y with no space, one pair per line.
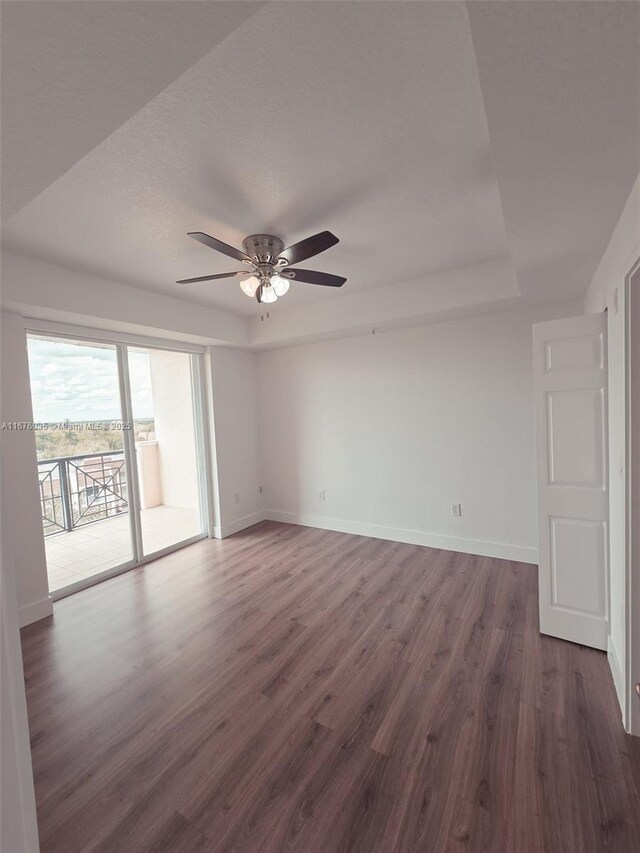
78,490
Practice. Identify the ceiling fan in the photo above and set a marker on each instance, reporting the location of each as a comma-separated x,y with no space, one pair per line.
270,271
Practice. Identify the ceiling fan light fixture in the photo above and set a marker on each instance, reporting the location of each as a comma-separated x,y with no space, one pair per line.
279,284
268,294
250,285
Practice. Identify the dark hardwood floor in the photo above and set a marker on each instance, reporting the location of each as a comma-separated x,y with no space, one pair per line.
291,689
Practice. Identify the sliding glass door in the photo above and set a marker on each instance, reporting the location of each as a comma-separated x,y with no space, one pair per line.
119,448
83,472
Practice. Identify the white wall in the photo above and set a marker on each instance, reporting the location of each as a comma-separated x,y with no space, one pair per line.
607,291
47,291
623,248
481,288
175,428
235,425
18,823
149,479
19,474
398,425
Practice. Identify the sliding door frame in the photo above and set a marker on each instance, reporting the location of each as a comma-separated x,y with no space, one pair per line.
121,341
129,445
201,427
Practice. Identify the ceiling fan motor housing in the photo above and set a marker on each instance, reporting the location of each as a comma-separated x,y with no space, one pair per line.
264,247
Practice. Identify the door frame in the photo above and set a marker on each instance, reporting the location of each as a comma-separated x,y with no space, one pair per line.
121,341
631,711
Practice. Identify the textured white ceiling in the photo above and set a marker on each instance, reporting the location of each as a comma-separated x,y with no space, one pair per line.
363,118
72,72
407,128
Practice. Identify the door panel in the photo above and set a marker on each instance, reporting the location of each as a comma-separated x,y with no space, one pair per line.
570,391
83,470
577,551
576,458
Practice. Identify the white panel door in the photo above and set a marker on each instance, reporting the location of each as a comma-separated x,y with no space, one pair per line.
570,375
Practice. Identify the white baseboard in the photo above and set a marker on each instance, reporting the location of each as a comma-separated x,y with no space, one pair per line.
618,677
35,611
502,551
221,532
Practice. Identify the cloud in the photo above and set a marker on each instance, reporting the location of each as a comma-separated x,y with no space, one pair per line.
79,382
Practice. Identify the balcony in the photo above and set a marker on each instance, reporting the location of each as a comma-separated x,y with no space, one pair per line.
84,503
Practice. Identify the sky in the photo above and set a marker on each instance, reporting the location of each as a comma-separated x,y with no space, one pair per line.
77,382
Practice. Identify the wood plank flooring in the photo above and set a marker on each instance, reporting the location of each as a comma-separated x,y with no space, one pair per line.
291,689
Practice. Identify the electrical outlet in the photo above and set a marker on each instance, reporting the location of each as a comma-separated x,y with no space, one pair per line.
321,495
456,509
236,498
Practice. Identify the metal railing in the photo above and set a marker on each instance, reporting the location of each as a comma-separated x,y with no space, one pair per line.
78,490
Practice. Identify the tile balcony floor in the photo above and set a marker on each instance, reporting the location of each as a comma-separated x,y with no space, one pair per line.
88,550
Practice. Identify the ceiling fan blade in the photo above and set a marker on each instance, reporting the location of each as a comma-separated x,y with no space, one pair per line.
313,277
219,246
309,247
213,277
